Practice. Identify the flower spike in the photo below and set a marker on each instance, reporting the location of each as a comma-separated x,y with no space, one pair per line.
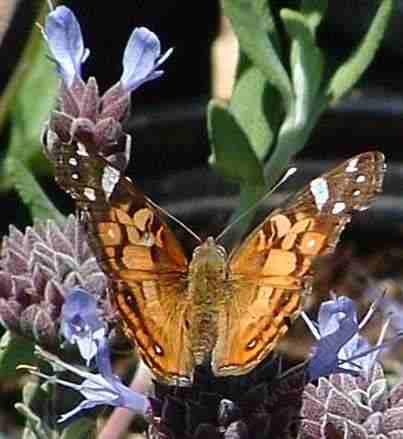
142,59
65,40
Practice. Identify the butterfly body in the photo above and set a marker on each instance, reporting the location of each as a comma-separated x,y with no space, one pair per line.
206,288
232,310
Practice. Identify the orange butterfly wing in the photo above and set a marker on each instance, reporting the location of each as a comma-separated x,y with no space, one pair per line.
140,254
271,272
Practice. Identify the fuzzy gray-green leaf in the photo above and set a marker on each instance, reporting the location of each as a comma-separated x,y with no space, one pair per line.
254,40
35,428
263,10
32,106
252,104
306,63
232,153
30,192
313,10
14,350
350,72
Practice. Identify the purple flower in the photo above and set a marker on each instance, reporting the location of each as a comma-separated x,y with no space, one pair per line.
65,40
142,59
80,322
81,325
103,388
339,342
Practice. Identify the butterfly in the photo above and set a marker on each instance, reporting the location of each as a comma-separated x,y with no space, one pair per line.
231,310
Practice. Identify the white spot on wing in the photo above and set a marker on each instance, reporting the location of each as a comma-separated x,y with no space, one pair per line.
338,207
75,176
352,165
320,192
110,177
158,350
73,161
251,344
356,193
360,179
82,150
90,193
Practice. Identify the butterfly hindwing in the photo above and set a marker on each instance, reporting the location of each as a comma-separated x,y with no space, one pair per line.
272,270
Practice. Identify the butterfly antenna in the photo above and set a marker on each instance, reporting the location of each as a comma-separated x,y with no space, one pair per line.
176,220
285,177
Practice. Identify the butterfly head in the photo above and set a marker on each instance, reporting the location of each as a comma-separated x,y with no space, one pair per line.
209,257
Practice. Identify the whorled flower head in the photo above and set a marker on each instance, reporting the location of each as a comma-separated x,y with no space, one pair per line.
354,402
255,406
37,269
82,114
352,407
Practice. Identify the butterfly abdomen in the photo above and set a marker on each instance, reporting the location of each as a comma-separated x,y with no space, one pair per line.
206,286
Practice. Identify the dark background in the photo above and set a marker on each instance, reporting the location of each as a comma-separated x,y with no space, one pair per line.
169,114
168,121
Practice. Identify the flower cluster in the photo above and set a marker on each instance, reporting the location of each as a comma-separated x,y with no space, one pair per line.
354,401
284,405
49,280
82,326
83,115
37,269
352,407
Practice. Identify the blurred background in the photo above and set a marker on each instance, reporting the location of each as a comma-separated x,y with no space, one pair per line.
176,103
169,128
168,121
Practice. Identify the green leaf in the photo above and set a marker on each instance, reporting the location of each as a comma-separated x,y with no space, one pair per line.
313,10
252,104
30,192
263,10
14,350
33,41
232,153
290,140
306,63
33,393
80,429
254,40
32,106
35,428
350,72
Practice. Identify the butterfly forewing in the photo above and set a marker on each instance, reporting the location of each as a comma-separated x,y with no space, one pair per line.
140,254
270,272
